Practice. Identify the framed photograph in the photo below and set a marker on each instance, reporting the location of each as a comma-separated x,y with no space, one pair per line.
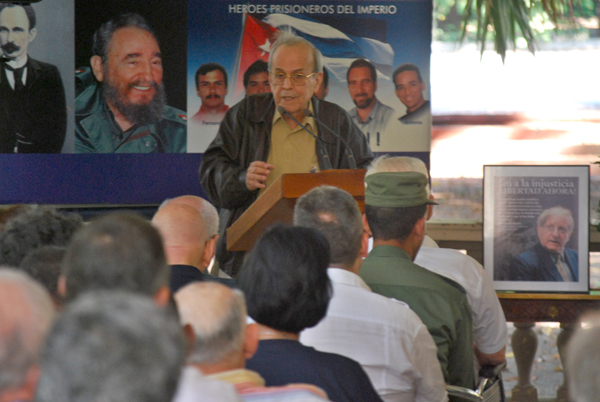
536,227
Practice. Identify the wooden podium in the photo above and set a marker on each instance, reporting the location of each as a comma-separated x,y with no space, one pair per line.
276,204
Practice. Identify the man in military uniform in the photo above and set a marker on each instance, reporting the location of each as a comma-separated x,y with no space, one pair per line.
395,211
122,108
33,111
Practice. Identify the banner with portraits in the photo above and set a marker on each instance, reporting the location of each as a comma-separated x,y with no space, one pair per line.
81,109
390,36
536,227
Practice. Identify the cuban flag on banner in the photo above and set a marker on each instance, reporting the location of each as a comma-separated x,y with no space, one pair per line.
333,39
255,44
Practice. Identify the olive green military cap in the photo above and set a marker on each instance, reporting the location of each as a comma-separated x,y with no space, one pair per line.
397,189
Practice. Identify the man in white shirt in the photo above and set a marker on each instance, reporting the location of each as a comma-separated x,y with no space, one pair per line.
489,323
387,338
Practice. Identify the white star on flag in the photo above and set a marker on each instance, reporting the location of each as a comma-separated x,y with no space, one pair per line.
266,48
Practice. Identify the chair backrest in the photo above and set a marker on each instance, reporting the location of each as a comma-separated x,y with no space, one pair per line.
489,389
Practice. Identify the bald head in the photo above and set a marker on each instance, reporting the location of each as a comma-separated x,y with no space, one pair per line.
180,225
217,315
184,234
26,313
207,210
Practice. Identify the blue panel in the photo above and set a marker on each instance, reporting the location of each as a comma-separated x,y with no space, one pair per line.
97,179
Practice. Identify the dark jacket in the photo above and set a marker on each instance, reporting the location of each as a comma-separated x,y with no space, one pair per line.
33,120
183,275
536,264
244,137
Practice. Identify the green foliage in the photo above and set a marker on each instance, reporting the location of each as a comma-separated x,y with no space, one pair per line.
510,23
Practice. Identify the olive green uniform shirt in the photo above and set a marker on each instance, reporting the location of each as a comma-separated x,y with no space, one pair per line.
440,303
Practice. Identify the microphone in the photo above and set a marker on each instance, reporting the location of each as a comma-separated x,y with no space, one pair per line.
320,141
348,150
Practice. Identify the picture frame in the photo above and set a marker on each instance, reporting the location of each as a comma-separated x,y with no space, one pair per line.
536,228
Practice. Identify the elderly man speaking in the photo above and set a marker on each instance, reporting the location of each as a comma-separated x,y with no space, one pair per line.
267,135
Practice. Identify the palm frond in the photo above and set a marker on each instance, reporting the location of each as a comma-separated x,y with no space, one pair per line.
507,20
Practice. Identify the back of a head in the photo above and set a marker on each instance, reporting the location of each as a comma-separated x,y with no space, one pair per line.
388,163
285,278
37,227
44,265
207,210
217,315
26,313
335,214
180,225
112,346
8,213
118,251
583,361
395,202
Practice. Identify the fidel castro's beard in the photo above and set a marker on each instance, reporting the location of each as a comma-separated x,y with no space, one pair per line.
136,114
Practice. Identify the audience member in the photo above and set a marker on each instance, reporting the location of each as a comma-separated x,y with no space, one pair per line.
215,316
395,209
37,227
189,248
383,335
112,346
489,324
287,290
211,222
44,264
207,210
118,251
10,212
583,361
26,314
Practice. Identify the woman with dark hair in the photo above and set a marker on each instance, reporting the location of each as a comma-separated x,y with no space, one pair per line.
287,290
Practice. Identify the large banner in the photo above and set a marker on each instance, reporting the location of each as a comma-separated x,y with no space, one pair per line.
393,37
75,92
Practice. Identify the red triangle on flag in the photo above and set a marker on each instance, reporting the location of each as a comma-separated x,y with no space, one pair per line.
256,44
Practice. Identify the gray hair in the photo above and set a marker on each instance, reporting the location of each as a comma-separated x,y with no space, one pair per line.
583,361
103,35
287,38
556,211
211,218
218,316
386,163
112,346
26,313
117,251
334,213
34,228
